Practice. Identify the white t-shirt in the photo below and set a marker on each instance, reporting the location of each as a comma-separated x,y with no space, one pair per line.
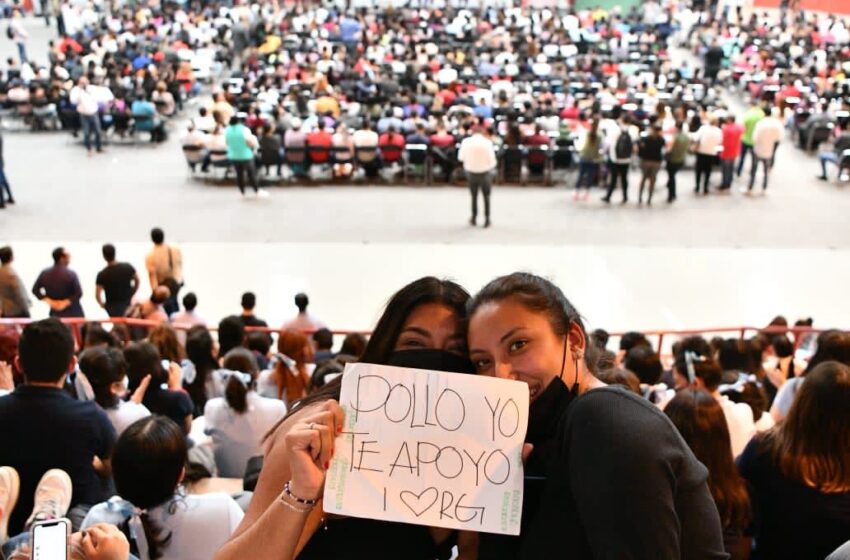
199,524
766,134
785,397
236,437
739,420
477,154
709,140
125,414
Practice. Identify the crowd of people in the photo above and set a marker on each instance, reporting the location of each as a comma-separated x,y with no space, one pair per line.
739,446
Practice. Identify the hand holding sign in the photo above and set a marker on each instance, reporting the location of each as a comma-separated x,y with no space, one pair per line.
310,443
432,448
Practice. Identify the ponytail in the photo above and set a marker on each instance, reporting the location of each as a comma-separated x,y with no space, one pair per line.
240,369
236,394
153,534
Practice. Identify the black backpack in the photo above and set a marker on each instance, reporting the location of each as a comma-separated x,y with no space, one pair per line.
623,149
9,33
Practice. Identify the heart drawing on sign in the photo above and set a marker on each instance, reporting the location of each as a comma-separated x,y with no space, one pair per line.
415,501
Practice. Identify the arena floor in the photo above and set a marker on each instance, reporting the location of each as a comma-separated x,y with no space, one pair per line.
721,260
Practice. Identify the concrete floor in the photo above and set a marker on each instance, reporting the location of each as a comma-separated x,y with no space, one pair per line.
725,259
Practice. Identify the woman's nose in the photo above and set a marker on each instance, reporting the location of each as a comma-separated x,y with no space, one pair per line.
504,370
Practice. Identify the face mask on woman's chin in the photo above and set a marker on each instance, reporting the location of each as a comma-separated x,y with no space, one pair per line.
546,410
433,359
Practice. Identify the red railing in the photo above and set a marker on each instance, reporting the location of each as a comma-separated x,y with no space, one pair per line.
741,331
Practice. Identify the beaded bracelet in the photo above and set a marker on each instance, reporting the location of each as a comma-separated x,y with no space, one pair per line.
288,491
294,507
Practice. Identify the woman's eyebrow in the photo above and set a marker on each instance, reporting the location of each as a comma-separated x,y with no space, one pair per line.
417,330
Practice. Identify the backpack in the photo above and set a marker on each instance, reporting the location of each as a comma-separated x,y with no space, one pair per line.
623,148
9,33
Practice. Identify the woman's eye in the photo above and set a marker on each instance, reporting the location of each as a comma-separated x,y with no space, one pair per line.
517,345
481,365
412,343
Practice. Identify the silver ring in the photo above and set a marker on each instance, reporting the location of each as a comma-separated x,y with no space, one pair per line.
312,425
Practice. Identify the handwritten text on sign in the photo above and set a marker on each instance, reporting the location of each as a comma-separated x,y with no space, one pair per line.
431,448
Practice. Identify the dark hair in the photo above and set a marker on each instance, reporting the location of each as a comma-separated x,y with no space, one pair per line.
354,344
95,335
231,333
199,349
695,344
386,332
645,363
324,339
190,301
45,350
236,392
631,339
103,367
702,424
157,236
143,359
301,302
164,337
258,341
249,300
732,355
539,295
751,394
810,445
5,254
832,345
620,376
600,337
108,251
709,372
147,463
58,252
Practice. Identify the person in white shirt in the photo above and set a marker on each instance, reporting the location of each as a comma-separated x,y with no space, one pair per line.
84,97
238,422
194,146
303,322
478,156
106,372
767,134
707,375
709,143
161,521
19,34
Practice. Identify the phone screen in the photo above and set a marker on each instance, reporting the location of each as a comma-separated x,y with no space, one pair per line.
50,540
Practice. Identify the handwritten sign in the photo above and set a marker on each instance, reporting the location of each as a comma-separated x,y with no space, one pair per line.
430,448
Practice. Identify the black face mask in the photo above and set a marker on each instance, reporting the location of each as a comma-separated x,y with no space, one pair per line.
433,359
546,411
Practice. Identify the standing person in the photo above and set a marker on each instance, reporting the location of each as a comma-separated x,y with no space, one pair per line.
589,159
750,119
83,98
164,264
620,150
799,472
676,154
651,153
118,281
303,321
766,137
240,151
732,135
5,189
713,60
478,156
13,295
59,287
18,34
709,142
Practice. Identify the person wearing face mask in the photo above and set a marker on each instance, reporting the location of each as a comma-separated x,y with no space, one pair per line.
106,370
608,475
421,327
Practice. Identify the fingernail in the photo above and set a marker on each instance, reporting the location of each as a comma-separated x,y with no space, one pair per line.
338,429
327,464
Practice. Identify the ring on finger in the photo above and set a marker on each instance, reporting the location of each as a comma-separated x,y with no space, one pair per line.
312,425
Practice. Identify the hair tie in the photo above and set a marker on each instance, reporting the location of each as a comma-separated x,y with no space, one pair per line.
137,531
243,378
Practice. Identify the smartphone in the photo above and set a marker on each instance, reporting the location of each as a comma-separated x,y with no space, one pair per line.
50,539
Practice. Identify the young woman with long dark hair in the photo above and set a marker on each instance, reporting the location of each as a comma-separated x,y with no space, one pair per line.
422,326
701,422
799,472
608,476
162,522
198,377
106,371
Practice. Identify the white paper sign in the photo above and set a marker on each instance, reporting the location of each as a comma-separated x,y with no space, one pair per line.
430,448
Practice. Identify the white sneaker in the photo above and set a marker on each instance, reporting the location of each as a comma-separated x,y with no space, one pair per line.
52,497
10,484
263,193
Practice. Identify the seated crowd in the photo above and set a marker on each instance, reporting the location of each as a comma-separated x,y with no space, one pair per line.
120,435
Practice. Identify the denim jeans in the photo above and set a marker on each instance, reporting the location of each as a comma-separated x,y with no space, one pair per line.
91,124
827,157
727,167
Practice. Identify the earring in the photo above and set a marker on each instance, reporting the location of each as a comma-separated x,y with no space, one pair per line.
578,354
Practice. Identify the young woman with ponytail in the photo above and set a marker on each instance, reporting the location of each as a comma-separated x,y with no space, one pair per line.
289,377
160,520
238,421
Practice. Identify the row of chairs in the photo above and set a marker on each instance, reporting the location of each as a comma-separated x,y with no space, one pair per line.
517,164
